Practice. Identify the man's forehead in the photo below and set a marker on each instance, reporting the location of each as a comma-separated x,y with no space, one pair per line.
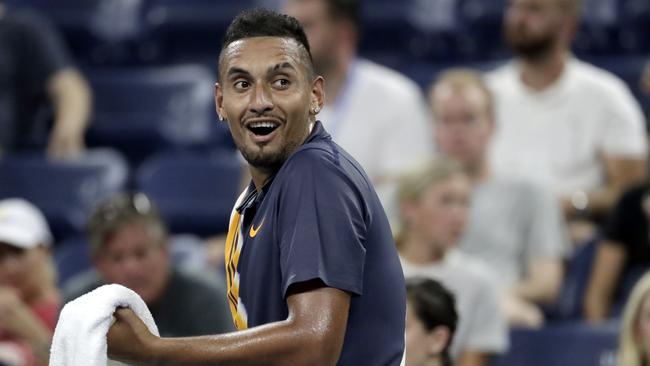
269,46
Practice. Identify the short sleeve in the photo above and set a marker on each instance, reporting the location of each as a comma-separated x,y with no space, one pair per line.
624,133
321,224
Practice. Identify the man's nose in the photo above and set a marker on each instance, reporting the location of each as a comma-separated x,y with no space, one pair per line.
262,101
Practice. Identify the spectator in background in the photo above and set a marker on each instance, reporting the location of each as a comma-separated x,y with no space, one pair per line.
29,298
431,321
563,123
434,201
634,347
34,69
621,256
129,247
515,228
376,114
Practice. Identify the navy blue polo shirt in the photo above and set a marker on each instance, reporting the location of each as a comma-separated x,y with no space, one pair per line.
319,217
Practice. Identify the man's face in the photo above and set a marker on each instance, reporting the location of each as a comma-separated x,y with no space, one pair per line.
532,27
135,258
440,214
462,122
320,28
268,98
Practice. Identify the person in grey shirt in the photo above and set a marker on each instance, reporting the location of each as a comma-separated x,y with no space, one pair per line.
514,227
434,203
129,247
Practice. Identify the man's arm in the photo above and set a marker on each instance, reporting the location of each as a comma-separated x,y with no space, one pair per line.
71,97
622,172
312,334
542,282
605,273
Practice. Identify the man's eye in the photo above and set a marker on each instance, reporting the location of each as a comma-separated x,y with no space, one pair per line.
281,83
242,84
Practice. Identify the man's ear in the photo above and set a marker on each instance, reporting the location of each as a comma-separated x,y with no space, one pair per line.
438,339
317,96
218,101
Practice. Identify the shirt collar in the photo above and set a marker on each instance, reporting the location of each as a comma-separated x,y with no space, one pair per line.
253,196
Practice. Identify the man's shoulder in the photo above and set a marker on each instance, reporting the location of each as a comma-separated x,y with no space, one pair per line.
322,156
382,80
590,77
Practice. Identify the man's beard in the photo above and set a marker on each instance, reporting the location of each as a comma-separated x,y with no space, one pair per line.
530,48
269,161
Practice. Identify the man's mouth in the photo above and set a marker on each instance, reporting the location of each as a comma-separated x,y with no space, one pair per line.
262,128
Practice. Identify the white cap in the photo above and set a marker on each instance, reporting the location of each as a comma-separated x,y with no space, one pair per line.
22,224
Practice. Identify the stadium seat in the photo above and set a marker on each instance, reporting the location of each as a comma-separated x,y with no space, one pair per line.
64,190
574,344
578,271
195,193
98,31
635,25
144,110
173,22
71,256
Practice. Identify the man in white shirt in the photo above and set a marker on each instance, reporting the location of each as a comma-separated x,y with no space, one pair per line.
376,114
561,122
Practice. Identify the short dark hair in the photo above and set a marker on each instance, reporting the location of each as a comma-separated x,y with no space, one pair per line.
120,210
434,305
266,23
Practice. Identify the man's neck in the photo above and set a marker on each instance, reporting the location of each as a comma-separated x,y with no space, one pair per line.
260,175
539,74
418,251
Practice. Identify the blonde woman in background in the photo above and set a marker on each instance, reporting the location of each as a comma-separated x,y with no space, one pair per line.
433,199
29,298
634,349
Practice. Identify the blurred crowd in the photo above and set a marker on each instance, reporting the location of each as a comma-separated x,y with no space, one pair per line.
518,194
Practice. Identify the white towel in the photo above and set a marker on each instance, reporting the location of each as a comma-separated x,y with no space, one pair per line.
80,334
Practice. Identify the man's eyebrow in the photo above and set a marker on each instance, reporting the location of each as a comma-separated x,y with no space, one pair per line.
284,65
237,71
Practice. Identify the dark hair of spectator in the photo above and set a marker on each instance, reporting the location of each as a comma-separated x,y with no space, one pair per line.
434,306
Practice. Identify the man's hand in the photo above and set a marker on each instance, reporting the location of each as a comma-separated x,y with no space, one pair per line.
129,338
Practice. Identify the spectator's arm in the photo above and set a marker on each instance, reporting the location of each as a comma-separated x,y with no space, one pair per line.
606,270
473,358
71,97
622,172
543,281
311,335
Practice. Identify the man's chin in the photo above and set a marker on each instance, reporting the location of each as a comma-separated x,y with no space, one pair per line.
263,160
530,49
